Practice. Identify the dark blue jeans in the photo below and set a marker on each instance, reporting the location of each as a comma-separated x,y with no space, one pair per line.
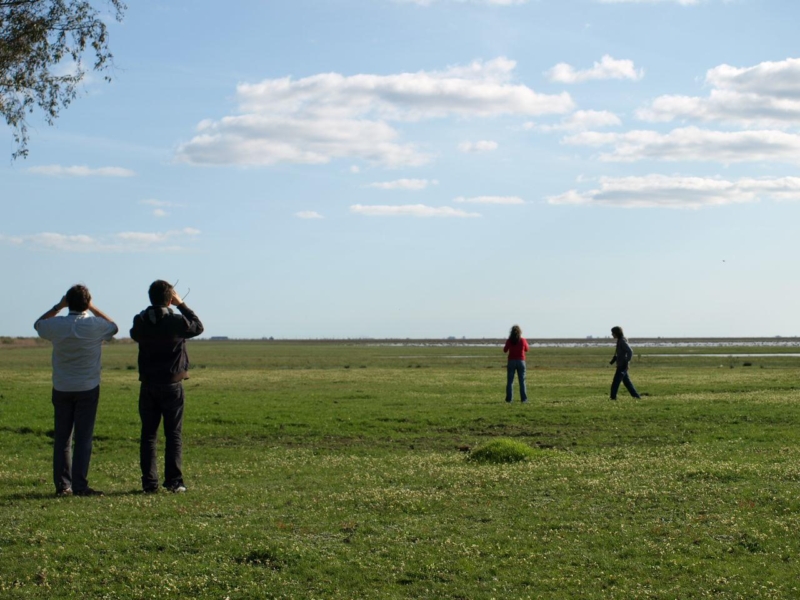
518,367
75,413
621,376
157,401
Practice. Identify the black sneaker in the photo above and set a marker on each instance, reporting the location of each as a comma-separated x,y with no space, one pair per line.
150,490
62,493
176,488
88,492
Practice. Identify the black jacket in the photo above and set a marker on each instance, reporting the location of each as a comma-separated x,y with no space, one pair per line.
162,336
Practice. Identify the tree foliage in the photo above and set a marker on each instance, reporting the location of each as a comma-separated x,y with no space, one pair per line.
43,44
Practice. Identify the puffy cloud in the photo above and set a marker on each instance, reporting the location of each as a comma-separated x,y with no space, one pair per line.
308,214
780,79
583,120
489,200
767,94
410,210
660,191
481,146
607,68
404,184
328,116
128,241
81,171
693,144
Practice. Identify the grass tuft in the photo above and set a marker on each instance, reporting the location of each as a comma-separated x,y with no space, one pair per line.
501,451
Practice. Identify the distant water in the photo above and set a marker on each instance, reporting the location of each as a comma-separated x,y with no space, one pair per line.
600,343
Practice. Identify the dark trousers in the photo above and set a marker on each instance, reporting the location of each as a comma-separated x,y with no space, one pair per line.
621,376
75,414
157,401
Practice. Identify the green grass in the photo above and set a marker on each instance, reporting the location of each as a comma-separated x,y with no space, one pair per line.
322,470
502,451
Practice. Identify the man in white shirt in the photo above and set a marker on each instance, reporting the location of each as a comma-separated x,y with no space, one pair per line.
77,346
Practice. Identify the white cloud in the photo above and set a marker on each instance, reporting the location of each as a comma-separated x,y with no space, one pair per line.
489,200
410,210
694,144
778,79
765,95
481,146
128,241
404,184
355,169
327,116
607,68
660,191
154,202
160,212
308,214
583,120
81,171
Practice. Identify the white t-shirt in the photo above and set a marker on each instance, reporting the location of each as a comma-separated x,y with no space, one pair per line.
77,347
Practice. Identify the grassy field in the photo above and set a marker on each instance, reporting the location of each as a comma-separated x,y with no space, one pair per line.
324,470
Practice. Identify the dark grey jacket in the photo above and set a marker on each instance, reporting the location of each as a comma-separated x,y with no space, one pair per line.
623,354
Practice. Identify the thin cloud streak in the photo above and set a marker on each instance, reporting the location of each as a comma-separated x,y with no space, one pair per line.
490,2
693,144
128,241
481,146
80,171
507,200
676,192
403,184
410,210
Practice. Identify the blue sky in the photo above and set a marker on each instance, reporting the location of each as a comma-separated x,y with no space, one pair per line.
388,168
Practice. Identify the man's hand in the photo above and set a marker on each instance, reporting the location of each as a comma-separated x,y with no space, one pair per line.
176,299
53,311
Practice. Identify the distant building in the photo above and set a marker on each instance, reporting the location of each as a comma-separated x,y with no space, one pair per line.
218,338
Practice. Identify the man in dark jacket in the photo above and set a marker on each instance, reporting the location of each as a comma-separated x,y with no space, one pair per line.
163,365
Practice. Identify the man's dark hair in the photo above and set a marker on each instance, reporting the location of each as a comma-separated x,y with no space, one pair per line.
78,298
160,293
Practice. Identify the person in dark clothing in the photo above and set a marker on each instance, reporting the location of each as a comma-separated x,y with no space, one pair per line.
622,357
516,346
163,365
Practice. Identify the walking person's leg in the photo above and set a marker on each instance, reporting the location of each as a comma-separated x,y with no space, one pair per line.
172,405
510,381
150,415
64,419
626,381
523,391
615,383
85,416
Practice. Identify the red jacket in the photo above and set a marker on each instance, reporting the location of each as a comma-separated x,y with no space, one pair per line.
516,351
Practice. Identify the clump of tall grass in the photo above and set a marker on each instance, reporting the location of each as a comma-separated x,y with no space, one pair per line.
501,451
